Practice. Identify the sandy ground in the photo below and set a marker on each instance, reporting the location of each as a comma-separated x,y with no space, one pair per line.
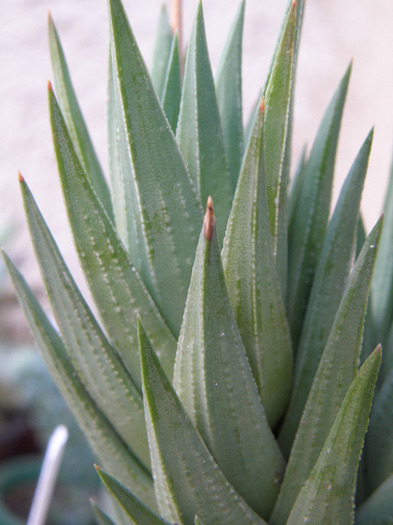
335,31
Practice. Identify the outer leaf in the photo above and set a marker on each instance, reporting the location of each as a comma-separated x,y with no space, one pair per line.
229,95
328,494
214,382
162,51
335,373
253,284
167,210
75,121
379,442
105,442
199,129
378,508
277,138
117,288
188,481
171,92
96,361
329,281
135,509
308,226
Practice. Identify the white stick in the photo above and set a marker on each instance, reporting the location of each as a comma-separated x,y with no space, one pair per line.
46,481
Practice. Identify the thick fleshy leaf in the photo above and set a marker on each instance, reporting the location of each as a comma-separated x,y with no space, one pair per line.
253,285
116,286
96,361
379,441
162,51
277,136
105,442
378,508
229,95
308,226
188,482
214,382
101,516
171,92
296,185
328,494
328,285
199,130
135,509
335,373
164,207
75,121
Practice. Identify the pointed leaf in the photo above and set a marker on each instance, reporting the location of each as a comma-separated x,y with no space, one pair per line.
103,519
229,95
105,442
93,357
328,494
162,51
135,509
188,481
296,185
328,285
336,370
167,210
199,129
308,225
378,508
253,284
171,92
214,382
75,122
116,287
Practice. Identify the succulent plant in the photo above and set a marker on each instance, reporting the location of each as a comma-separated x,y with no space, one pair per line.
219,380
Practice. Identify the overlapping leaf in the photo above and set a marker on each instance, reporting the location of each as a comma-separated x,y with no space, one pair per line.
378,508
162,51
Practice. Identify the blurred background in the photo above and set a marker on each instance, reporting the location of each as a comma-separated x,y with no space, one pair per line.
335,32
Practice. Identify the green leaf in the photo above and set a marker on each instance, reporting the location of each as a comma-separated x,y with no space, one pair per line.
308,226
95,360
116,286
75,122
378,508
296,185
379,441
337,369
164,208
327,288
253,283
328,494
229,95
387,361
214,382
162,51
199,130
105,442
278,95
103,519
360,236
188,481
135,509
171,93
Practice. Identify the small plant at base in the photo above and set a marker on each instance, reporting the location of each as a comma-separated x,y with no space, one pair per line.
222,382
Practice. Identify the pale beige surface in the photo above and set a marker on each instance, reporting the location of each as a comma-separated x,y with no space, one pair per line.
334,32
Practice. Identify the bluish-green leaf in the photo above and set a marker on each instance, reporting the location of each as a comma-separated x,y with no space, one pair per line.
379,441
328,494
171,92
105,442
199,130
387,360
101,516
75,122
295,190
229,95
214,382
335,373
328,285
116,286
135,509
378,508
93,357
162,51
253,285
277,138
308,225
188,482
165,207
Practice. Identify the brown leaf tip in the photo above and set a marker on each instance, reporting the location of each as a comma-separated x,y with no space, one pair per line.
294,3
50,87
20,177
209,222
262,105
